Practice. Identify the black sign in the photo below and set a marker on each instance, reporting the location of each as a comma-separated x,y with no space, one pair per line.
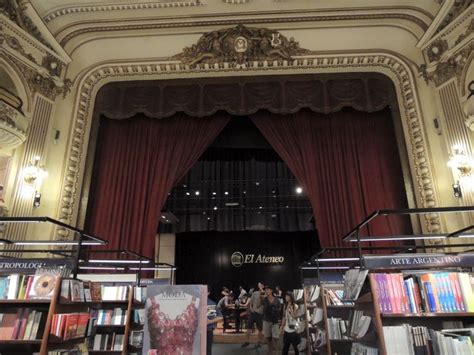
234,259
29,266
410,261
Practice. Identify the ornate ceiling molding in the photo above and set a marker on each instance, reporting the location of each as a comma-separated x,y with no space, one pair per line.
451,66
68,33
67,10
38,65
387,64
15,10
456,9
240,45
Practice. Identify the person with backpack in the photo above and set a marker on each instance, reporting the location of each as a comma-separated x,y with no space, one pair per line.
271,313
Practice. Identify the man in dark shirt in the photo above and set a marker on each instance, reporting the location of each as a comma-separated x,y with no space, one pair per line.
271,312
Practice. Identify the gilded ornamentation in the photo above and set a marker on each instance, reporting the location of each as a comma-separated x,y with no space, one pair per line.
14,44
449,68
52,65
11,136
103,7
15,11
388,64
455,10
469,30
240,45
436,50
41,83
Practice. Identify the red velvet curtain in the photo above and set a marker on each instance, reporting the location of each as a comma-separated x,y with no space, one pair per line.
348,164
138,161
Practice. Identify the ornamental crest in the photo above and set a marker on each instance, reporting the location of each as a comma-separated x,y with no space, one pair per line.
240,45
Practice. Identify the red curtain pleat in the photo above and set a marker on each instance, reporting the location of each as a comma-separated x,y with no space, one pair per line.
138,162
348,164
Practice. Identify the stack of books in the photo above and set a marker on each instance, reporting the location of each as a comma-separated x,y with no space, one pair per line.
109,341
428,292
405,339
114,293
358,324
353,281
139,294
318,340
70,325
313,293
138,316
337,328
116,316
136,338
22,325
361,349
22,287
335,297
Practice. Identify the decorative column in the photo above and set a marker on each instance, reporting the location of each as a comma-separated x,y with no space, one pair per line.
35,146
457,134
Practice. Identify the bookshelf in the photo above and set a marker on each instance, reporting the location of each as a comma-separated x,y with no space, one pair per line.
46,341
432,322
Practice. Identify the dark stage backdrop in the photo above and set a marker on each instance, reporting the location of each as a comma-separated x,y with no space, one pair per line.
205,258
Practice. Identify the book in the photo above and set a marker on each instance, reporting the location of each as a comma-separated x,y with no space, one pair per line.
43,286
70,325
424,292
353,281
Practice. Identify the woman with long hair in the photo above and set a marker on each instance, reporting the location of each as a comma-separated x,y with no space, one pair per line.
289,325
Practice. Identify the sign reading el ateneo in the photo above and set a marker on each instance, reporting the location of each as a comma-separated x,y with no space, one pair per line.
238,259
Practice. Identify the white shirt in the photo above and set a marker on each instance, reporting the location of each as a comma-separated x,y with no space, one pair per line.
290,320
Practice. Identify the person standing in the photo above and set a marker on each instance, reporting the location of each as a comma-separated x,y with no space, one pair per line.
242,293
255,314
271,313
289,325
214,316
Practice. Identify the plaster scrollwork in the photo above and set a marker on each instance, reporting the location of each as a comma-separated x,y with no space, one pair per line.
41,83
240,45
11,133
15,11
15,44
450,67
388,64
437,49
236,1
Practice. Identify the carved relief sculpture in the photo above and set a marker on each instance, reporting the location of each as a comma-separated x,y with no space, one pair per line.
240,45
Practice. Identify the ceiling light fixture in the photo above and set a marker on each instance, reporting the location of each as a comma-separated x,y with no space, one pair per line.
299,190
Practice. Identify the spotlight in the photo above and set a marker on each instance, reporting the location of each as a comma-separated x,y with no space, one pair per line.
197,193
187,194
299,190
245,192
257,183
208,218
215,208
214,193
226,193
260,207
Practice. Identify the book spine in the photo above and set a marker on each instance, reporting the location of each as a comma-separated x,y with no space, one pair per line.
422,292
457,292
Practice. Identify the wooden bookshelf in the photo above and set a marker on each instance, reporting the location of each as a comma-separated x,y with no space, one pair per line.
432,320
427,315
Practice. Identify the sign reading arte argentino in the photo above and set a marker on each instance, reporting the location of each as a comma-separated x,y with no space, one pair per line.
408,261
238,259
